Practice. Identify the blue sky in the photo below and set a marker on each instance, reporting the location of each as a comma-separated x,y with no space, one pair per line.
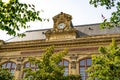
81,11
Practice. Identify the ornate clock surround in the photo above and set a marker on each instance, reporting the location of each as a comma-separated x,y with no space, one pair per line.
62,28
62,18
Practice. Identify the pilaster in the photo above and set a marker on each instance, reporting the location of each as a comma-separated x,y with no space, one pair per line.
18,72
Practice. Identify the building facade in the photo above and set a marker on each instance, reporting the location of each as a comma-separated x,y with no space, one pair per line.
82,42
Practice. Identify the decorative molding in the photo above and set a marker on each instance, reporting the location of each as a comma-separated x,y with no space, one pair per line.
65,33
79,42
57,50
73,65
19,63
62,18
20,59
73,58
18,67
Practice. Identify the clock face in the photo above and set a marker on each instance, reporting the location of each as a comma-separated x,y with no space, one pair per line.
61,25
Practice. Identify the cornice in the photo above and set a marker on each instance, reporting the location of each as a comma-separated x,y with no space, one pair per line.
78,42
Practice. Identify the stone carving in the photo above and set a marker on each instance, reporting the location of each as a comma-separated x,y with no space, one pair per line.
62,18
18,67
73,65
73,58
20,59
62,28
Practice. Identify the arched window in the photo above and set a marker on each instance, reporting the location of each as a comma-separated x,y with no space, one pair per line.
84,64
10,65
34,67
66,64
29,65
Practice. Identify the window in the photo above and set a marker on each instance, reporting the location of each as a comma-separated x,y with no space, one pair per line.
34,67
84,64
66,64
29,65
10,65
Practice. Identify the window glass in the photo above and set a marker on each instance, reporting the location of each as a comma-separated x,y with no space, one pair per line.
89,62
33,69
10,65
84,64
65,63
13,65
83,78
66,72
27,64
60,63
32,65
82,69
3,66
12,71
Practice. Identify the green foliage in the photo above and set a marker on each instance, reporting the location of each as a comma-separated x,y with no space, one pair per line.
5,74
106,65
71,77
15,15
115,18
47,65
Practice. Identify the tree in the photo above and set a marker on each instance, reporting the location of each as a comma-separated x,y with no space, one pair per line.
48,67
5,74
15,15
115,18
106,65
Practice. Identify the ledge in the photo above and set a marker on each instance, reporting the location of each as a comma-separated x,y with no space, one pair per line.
41,44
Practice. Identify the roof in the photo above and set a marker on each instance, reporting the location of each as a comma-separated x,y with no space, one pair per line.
82,30
30,35
94,29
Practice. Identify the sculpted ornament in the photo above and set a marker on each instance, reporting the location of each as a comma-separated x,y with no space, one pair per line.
62,21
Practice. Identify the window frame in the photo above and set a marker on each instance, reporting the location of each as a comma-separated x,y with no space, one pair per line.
12,66
35,67
85,66
62,63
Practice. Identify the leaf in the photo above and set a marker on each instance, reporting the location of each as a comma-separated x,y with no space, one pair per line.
48,69
14,16
105,66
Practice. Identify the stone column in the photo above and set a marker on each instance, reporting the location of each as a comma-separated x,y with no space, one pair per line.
18,72
73,69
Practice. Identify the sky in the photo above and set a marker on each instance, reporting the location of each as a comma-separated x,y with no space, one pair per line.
82,13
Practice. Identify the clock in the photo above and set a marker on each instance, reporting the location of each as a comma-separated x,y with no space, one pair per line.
61,25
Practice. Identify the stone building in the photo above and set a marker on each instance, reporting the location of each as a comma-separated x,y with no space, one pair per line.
82,41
